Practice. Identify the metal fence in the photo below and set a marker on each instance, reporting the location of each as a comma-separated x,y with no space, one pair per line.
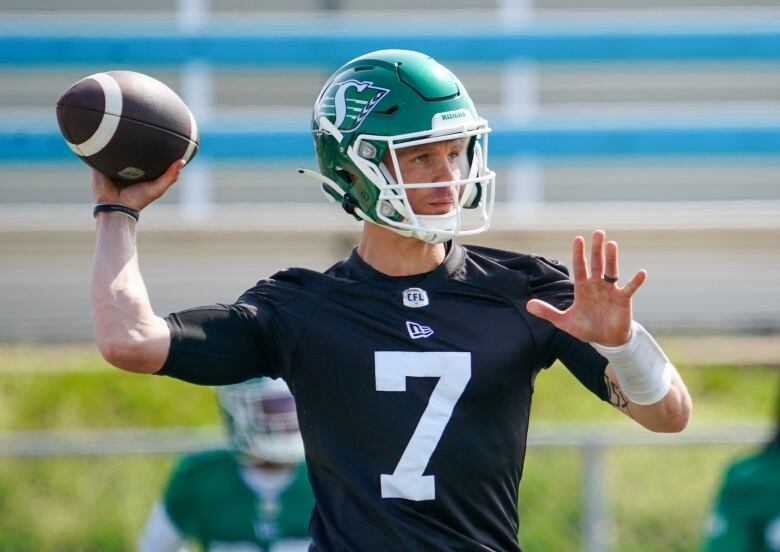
597,455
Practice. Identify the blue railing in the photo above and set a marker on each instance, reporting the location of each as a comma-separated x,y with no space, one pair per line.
328,49
226,145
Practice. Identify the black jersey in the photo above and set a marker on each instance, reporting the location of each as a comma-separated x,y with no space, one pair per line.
413,393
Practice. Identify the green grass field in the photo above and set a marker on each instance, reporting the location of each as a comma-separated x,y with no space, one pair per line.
658,495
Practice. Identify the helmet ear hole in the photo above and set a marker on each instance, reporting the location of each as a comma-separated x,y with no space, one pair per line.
348,202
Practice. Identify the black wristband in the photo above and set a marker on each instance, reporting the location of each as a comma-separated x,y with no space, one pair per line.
106,207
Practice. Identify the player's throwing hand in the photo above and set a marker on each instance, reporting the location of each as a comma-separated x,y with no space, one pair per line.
138,195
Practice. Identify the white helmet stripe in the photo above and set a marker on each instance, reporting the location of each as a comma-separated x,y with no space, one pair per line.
110,121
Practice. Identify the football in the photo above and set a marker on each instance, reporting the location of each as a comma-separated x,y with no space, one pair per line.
127,125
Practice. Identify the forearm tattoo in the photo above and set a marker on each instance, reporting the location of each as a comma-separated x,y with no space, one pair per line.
615,396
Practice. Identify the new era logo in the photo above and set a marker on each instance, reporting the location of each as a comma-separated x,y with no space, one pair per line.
417,331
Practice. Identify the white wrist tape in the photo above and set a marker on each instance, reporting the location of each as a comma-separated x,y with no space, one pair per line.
643,370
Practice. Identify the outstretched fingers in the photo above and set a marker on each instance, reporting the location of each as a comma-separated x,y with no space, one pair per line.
597,254
611,267
634,283
579,265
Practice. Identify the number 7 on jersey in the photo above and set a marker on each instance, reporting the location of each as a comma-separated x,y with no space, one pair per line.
454,371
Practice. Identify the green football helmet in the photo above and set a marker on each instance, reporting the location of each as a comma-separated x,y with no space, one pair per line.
380,103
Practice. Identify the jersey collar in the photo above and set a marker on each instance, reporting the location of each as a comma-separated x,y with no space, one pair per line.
452,265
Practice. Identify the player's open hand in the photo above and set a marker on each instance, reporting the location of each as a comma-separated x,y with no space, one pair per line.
601,311
138,195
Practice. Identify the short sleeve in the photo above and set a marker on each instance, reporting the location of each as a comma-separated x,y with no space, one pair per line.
549,281
255,336
282,306
583,361
216,345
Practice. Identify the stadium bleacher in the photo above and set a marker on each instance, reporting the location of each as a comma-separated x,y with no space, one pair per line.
659,124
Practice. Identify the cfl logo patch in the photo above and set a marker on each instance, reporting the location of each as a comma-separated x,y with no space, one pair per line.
415,298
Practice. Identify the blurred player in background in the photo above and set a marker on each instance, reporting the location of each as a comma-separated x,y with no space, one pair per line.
746,515
253,496
413,361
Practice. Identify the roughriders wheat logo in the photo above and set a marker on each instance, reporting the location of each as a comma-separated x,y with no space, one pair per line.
349,102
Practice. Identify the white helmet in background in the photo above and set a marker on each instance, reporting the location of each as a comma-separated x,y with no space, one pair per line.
261,420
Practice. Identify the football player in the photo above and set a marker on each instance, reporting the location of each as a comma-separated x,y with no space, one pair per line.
413,361
254,495
746,514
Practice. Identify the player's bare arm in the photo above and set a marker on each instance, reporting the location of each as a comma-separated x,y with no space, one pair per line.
602,314
668,415
129,335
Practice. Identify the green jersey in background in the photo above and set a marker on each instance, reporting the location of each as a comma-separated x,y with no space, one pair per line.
746,516
210,501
